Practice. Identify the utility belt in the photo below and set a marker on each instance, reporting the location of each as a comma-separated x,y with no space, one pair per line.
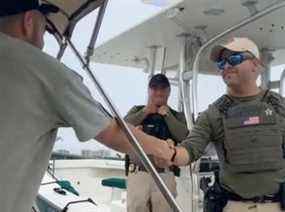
216,201
135,168
259,199
216,197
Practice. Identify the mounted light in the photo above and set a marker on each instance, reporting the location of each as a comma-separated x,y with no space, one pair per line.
251,5
160,3
213,8
173,12
247,3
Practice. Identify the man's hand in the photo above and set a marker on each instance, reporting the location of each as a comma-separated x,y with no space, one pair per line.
150,108
139,127
170,142
163,110
163,155
162,163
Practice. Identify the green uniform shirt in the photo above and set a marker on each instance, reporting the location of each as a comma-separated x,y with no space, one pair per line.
38,95
209,128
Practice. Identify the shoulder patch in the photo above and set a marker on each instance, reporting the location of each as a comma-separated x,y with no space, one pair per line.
276,100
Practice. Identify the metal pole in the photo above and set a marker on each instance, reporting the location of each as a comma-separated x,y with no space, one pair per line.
265,75
184,86
90,48
261,14
163,70
282,84
133,141
61,50
265,78
185,89
153,51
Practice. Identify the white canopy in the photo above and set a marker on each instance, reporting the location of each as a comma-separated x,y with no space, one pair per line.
199,18
71,11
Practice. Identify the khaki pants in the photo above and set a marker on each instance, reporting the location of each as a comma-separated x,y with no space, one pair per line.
233,206
143,194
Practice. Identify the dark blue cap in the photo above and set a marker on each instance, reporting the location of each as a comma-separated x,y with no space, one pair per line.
13,7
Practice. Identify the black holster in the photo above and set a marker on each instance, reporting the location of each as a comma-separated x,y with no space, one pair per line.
282,195
214,200
127,164
215,197
175,170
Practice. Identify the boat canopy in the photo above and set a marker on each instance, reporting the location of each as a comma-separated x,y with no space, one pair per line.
71,12
199,21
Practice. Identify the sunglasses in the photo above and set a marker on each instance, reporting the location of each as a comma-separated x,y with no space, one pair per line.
233,60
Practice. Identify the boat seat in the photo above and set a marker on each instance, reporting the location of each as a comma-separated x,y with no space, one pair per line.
115,183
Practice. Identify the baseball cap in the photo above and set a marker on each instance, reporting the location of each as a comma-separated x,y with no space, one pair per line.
13,7
159,80
235,44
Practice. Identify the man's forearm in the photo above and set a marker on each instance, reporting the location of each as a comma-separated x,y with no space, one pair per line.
115,138
177,128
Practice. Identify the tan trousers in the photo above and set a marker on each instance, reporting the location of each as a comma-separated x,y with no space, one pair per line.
143,194
233,206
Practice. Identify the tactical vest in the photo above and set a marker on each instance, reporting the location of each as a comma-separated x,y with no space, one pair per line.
253,131
155,125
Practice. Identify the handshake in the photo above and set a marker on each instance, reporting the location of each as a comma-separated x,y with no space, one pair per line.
165,153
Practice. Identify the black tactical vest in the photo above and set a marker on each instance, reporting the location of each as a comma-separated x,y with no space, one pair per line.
155,125
253,134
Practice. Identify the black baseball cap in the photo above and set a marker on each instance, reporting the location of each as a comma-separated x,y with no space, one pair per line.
159,81
13,7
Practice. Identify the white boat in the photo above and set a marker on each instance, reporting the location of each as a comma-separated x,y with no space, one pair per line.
174,42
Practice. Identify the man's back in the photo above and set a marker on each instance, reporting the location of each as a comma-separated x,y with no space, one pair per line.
28,126
37,96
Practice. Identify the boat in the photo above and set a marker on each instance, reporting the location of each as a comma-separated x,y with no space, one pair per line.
176,41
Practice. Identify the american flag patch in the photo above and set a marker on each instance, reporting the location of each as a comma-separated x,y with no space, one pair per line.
252,120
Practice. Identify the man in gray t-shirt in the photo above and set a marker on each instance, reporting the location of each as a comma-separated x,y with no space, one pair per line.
38,95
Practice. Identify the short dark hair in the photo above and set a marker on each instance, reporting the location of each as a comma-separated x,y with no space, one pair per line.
159,81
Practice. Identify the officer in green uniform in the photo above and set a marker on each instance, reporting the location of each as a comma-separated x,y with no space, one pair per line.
246,126
159,120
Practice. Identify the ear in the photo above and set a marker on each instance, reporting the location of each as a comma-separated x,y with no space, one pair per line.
255,63
258,66
28,24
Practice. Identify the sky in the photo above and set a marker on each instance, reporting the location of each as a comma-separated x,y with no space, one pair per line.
117,81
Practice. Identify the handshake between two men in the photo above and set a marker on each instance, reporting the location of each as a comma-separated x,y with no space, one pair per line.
164,152
157,125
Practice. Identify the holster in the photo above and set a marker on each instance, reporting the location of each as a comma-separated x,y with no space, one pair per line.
215,197
127,164
175,170
282,195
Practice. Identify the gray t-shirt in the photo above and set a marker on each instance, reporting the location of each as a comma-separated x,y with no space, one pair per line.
38,95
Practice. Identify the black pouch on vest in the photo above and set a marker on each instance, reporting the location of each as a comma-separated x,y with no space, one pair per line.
282,196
